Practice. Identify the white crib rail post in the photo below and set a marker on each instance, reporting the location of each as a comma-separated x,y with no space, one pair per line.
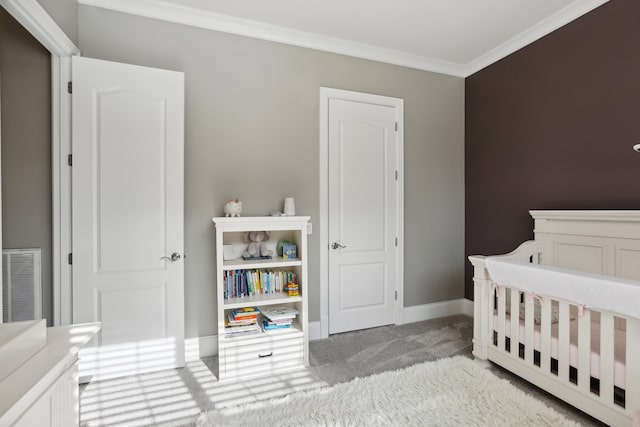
564,342
632,382
482,307
584,352
545,335
514,319
606,356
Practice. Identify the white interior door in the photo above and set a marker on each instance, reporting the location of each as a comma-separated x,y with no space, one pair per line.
127,190
362,215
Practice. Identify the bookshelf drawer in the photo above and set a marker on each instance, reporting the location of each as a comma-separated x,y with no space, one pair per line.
251,360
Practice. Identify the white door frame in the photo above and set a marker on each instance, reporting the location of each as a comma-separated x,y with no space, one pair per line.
31,15
325,95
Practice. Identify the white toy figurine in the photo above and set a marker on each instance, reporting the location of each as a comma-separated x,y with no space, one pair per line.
233,207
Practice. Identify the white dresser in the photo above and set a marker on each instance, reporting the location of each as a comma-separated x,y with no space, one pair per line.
42,389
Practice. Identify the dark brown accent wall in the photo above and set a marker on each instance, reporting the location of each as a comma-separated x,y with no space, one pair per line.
552,127
25,76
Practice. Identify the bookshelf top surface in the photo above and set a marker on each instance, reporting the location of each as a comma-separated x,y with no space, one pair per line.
260,222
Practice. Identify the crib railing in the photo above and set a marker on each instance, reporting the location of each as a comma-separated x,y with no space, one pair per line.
499,337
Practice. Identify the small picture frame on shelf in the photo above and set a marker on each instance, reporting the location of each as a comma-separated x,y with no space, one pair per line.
289,251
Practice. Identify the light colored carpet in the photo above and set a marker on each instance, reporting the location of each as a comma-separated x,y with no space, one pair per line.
449,392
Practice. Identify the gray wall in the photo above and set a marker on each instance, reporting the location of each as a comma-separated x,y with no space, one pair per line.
252,114
65,14
25,67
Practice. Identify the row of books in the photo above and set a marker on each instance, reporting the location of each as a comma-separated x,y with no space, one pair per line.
242,283
244,321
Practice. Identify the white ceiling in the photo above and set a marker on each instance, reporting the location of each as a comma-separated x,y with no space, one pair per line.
455,37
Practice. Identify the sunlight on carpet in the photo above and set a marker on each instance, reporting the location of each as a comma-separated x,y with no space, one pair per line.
177,396
450,392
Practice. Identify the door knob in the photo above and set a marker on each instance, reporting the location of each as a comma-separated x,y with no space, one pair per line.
174,257
337,245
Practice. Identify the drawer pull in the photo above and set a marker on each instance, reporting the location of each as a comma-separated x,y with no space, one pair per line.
265,355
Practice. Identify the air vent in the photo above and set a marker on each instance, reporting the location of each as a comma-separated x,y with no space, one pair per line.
21,285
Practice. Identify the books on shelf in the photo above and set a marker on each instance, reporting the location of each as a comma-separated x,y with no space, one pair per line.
279,312
236,331
242,321
241,318
277,317
245,313
270,326
243,283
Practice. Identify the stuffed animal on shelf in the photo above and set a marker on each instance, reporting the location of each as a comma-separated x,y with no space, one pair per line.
257,246
233,207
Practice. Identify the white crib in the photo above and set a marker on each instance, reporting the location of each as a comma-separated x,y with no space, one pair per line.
583,354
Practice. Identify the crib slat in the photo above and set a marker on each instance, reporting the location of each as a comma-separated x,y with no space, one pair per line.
563,341
632,382
528,330
584,352
606,357
515,322
501,316
545,335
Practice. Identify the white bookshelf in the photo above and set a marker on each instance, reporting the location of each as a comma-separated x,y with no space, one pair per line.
269,351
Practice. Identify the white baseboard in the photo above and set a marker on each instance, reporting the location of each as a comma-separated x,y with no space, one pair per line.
418,313
315,331
467,305
207,346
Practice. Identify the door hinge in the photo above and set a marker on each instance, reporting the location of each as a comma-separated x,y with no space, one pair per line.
396,175
396,295
70,87
396,126
70,160
70,259
396,241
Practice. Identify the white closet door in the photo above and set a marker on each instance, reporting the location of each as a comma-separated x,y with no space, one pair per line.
127,189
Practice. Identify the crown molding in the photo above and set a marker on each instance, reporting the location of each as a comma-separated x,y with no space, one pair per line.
530,35
158,9
179,14
31,15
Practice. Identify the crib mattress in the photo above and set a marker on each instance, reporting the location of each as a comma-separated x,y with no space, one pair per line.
619,342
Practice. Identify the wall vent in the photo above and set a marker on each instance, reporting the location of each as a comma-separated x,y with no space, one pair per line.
21,285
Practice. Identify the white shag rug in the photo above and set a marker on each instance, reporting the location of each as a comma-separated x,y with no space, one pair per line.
449,392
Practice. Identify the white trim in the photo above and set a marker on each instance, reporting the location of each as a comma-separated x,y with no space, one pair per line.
418,313
324,212
37,21
56,98
530,35
325,95
61,191
158,9
578,215
315,331
31,15
467,307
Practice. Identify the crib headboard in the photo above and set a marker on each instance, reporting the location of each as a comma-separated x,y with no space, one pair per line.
602,242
